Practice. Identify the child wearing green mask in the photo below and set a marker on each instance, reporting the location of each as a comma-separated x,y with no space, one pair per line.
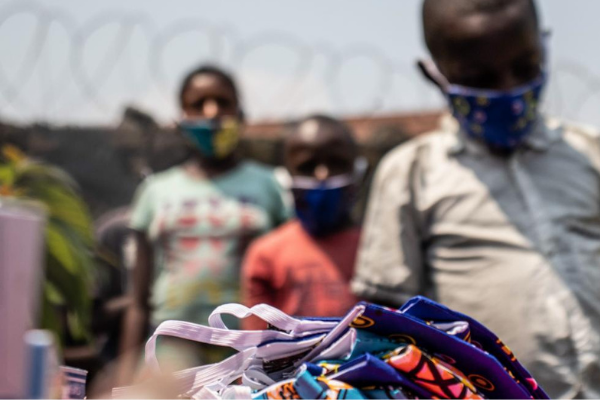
193,221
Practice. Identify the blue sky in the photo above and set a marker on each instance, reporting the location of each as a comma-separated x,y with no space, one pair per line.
291,57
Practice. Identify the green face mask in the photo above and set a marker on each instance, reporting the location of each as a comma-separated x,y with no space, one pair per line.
214,138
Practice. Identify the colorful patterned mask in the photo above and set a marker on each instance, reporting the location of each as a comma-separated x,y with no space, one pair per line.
322,206
305,386
439,378
501,119
214,138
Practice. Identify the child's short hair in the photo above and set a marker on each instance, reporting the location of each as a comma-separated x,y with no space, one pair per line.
208,69
325,120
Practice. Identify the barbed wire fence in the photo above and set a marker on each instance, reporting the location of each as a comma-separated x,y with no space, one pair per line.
85,72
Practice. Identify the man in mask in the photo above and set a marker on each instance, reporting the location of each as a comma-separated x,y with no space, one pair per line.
304,267
497,214
192,221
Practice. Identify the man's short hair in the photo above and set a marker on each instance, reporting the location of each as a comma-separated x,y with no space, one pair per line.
435,11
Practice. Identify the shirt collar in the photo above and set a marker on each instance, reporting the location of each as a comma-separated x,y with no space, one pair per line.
544,134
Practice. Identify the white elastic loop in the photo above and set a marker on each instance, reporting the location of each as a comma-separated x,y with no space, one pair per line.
226,371
333,335
236,310
272,316
435,73
276,350
206,393
341,348
218,376
257,379
267,313
214,376
185,378
276,317
254,346
237,392
239,340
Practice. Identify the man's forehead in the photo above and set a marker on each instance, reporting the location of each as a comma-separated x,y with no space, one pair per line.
445,8
482,37
479,24
462,21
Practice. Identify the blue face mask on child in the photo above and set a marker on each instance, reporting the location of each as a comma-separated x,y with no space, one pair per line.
501,119
323,206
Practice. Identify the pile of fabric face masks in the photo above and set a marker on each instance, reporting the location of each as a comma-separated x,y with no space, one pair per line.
423,350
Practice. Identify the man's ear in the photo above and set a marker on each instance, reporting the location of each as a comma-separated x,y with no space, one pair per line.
427,73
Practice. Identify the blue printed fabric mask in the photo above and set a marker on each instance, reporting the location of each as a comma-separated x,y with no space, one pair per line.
501,119
323,206
214,138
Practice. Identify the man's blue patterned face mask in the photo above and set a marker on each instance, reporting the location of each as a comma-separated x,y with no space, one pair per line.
501,119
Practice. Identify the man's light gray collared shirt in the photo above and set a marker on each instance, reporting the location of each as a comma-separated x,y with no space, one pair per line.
514,242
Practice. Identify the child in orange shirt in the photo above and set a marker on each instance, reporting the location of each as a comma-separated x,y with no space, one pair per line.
304,267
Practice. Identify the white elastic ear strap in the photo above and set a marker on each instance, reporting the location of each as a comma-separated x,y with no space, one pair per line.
214,376
237,392
334,334
220,375
225,372
206,394
276,350
257,379
435,73
340,349
239,340
271,315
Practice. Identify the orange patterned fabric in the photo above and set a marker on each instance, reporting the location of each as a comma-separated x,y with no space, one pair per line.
429,372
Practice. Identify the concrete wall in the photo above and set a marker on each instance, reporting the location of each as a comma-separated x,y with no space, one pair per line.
108,163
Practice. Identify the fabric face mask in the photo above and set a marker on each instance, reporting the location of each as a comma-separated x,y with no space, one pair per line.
501,119
323,206
214,138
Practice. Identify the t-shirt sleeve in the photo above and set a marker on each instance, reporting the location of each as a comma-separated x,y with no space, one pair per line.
256,282
142,210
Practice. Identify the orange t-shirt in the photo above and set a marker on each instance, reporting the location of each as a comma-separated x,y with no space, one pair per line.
299,274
